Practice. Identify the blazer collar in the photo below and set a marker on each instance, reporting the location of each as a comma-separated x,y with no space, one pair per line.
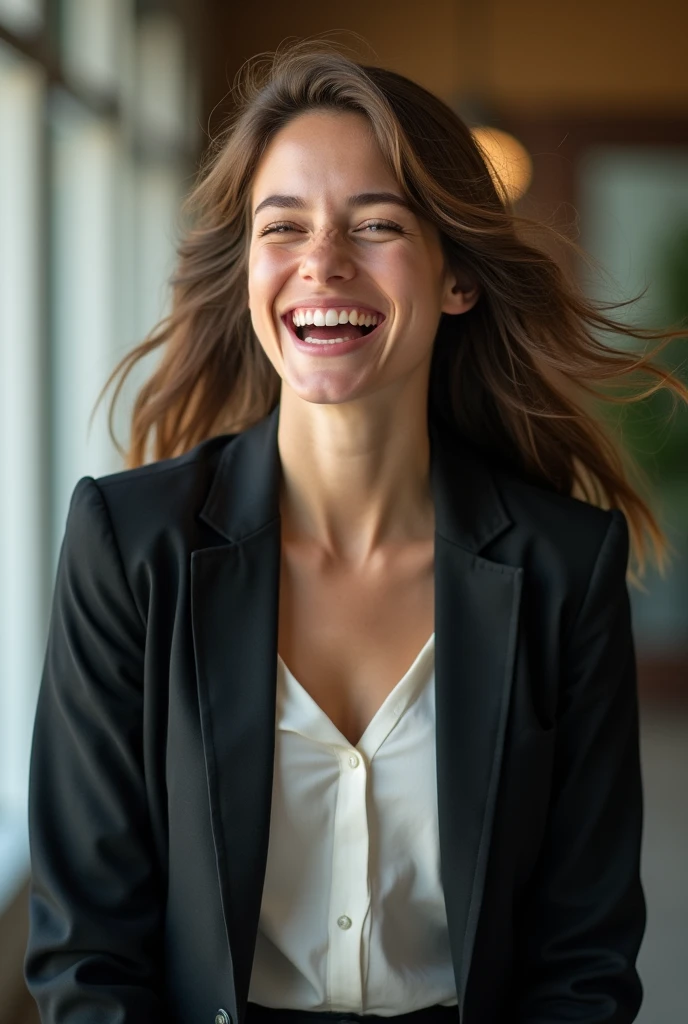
244,495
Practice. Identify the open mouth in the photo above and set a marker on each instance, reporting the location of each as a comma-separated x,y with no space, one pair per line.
353,332
342,330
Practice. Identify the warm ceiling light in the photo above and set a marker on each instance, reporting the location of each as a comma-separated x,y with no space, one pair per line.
507,160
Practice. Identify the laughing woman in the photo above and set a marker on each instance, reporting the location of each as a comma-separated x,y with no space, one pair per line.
339,711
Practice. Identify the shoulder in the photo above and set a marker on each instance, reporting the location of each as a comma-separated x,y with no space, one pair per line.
167,476
515,518
563,519
168,482
568,547
149,503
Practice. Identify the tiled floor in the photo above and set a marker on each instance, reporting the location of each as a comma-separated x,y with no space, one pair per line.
663,961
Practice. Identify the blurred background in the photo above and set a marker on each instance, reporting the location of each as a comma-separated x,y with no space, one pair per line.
106,107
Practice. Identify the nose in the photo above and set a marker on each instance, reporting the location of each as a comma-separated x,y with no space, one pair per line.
325,258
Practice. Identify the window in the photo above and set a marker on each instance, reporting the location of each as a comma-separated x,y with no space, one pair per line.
89,200
23,494
21,16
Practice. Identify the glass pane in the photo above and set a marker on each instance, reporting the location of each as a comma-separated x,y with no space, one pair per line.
23,495
92,34
21,16
152,232
162,101
85,201
632,200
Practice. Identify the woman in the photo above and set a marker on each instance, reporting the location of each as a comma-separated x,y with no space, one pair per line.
339,713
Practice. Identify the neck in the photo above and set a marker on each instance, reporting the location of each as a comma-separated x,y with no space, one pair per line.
355,476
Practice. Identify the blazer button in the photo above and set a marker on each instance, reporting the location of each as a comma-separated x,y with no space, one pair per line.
222,1017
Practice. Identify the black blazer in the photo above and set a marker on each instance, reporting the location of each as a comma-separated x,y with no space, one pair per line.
152,759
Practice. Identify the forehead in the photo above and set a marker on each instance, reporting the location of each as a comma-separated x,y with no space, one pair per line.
322,152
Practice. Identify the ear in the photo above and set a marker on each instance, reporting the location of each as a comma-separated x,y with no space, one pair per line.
460,292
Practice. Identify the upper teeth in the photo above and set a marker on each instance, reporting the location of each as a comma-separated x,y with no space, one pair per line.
331,317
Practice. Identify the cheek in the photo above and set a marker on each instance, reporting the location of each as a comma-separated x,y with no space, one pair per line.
265,280
260,277
407,269
266,267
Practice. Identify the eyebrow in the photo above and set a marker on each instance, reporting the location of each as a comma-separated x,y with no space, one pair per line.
360,199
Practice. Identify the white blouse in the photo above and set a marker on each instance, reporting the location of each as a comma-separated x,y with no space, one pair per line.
352,915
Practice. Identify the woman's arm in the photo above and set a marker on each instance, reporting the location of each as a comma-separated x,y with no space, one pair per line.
95,903
584,915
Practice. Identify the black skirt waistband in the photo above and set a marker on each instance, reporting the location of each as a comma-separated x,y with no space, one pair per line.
256,1014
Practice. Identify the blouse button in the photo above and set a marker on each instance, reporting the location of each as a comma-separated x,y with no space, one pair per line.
353,760
344,922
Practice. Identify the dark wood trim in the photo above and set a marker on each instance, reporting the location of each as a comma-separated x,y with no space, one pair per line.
581,129
37,49
663,682
16,1005
557,141
41,49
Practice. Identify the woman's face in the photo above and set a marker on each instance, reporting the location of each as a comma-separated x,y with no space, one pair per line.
321,240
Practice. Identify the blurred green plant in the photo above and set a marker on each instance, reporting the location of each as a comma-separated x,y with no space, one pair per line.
655,429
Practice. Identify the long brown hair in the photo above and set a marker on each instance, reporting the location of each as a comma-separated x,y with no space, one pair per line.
515,376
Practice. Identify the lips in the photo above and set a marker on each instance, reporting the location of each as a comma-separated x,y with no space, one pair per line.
341,348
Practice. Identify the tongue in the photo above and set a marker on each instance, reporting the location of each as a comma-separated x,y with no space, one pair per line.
346,331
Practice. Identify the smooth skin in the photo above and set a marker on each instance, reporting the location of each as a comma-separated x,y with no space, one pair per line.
353,436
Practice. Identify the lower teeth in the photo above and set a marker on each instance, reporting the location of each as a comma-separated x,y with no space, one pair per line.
327,341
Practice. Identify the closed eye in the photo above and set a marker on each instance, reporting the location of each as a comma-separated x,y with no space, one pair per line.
381,225
386,225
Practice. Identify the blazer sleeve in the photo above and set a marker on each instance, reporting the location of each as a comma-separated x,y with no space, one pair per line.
585,911
95,904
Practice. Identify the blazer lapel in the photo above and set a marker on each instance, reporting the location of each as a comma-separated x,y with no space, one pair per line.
235,590
477,605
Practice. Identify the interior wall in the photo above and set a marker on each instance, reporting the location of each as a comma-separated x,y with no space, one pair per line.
423,42
615,56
